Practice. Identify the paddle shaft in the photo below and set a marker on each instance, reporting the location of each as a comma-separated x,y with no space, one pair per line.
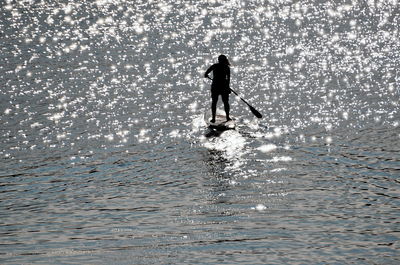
234,92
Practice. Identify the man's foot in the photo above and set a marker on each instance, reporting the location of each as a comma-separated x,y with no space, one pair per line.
212,120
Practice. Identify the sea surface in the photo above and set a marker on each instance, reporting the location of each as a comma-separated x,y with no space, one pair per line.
104,157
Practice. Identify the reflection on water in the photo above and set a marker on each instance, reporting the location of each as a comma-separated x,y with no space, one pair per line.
105,158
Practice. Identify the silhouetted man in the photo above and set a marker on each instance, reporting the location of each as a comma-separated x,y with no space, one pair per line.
220,85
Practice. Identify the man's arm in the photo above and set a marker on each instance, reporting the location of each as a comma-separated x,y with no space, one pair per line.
208,71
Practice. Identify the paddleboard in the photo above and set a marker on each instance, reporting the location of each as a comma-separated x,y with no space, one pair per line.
221,124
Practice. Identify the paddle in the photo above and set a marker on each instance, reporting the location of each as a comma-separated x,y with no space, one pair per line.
252,109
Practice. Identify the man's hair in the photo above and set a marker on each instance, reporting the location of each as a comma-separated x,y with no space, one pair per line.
223,60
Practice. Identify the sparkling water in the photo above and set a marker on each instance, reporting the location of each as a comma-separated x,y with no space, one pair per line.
104,158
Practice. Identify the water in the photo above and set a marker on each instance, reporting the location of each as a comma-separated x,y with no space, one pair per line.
103,157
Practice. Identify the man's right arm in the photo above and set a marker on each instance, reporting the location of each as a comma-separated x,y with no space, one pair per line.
208,71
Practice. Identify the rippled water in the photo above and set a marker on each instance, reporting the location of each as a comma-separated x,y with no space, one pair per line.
104,158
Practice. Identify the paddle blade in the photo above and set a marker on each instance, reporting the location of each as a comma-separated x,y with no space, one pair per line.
255,112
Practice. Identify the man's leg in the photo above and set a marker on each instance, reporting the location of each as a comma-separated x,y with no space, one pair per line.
214,98
225,99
